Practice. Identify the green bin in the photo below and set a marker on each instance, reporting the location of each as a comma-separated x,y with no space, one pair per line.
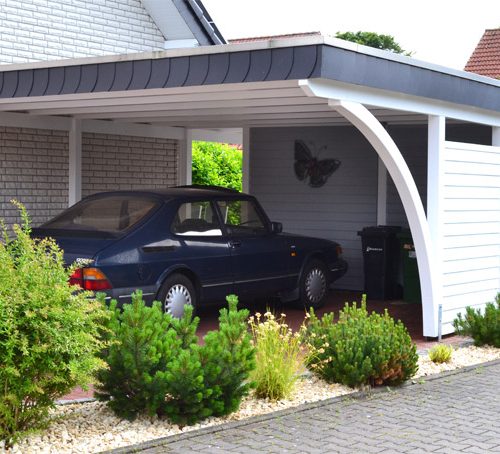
411,280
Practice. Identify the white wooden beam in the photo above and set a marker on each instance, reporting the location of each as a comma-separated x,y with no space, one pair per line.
495,137
75,162
246,161
22,120
185,159
131,129
381,193
225,135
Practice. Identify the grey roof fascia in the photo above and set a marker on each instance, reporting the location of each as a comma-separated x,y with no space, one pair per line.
199,22
271,61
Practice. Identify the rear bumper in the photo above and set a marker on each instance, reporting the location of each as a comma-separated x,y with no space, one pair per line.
124,295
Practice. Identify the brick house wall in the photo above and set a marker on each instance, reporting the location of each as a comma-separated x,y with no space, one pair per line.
34,168
35,30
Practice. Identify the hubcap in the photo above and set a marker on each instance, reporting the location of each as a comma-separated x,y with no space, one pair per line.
315,285
177,297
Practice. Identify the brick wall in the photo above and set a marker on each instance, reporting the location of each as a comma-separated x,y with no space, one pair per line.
35,30
120,162
33,170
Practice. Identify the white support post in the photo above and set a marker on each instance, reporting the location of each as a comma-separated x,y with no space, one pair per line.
381,193
495,136
246,160
185,159
75,162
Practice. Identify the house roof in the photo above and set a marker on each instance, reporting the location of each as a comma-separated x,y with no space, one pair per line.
485,59
272,37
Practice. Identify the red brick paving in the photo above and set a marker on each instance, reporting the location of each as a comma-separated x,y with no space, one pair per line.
409,314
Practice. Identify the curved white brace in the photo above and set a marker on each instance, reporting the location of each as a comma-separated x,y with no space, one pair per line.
379,138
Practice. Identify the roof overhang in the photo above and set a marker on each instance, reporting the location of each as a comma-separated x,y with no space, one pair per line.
273,83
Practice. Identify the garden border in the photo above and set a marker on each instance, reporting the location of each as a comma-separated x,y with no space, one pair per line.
357,395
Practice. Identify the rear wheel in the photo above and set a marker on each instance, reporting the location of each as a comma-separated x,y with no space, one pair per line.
176,292
313,285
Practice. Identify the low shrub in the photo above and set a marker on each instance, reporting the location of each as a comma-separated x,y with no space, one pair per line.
278,356
156,365
361,348
441,353
482,326
49,333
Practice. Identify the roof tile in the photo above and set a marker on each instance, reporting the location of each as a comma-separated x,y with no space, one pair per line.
485,59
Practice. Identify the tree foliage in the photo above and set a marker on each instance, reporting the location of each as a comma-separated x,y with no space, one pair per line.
217,164
376,40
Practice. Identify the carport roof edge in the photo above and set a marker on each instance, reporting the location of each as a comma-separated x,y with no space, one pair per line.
304,58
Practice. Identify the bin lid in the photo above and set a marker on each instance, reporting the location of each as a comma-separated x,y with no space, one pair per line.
380,231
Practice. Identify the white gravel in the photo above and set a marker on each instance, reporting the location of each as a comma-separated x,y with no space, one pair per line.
91,427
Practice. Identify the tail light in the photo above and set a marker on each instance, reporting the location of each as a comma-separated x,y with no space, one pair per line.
339,250
90,279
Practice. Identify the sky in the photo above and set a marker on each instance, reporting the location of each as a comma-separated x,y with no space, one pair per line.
438,31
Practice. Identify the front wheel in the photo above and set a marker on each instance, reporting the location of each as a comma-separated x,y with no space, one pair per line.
313,285
176,292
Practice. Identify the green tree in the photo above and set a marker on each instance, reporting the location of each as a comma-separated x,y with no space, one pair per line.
376,40
217,164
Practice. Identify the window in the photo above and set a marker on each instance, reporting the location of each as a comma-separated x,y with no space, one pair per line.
196,218
241,217
112,214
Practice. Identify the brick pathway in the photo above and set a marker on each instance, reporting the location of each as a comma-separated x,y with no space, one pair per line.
457,412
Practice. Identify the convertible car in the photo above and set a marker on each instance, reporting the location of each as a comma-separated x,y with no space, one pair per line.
190,245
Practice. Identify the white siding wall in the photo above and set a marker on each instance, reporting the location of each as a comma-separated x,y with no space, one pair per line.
471,227
35,30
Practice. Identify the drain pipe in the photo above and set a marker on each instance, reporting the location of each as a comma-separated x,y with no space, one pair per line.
440,321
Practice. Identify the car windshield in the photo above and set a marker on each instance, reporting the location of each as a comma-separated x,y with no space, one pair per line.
111,214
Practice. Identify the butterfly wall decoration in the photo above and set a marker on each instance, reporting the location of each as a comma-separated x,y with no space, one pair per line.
307,166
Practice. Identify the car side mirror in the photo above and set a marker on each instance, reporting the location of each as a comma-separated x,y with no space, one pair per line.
276,227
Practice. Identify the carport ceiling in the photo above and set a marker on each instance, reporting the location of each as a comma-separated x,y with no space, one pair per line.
234,85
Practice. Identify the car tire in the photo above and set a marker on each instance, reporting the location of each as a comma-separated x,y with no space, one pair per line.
313,285
175,293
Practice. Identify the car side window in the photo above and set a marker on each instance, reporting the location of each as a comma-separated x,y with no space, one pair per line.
241,218
196,219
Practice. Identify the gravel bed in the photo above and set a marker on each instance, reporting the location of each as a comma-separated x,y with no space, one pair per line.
90,427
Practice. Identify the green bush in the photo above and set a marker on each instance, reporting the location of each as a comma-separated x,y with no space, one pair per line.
483,327
278,356
361,348
49,333
441,353
157,367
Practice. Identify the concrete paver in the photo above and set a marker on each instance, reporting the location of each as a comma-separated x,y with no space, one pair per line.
456,413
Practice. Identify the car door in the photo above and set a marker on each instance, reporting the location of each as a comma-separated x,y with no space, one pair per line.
259,257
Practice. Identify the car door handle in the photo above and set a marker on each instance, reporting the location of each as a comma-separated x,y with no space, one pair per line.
235,243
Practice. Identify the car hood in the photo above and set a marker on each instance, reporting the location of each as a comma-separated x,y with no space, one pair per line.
75,246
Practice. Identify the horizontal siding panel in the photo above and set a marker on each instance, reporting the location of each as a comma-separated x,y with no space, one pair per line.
471,276
479,228
460,302
471,287
476,252
469,264
459,192
471,168
450,242
458,217
471,204
471,181
479,157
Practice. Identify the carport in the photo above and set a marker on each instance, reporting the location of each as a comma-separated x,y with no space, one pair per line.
312,87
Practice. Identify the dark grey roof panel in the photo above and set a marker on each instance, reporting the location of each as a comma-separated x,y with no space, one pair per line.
361,69
217,69
56,81
25,83
160,70
123,76
239,65
88,79
260,65
105,76
281,64
179,71
306,62
72,77
40,82
141,72
10,81
198,70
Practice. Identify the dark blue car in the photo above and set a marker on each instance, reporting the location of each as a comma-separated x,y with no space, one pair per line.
191,245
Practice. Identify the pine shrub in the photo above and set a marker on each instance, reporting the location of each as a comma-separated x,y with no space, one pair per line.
441,353
483,327
360,349
49,333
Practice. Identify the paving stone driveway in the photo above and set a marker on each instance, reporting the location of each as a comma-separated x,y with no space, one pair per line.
454,413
